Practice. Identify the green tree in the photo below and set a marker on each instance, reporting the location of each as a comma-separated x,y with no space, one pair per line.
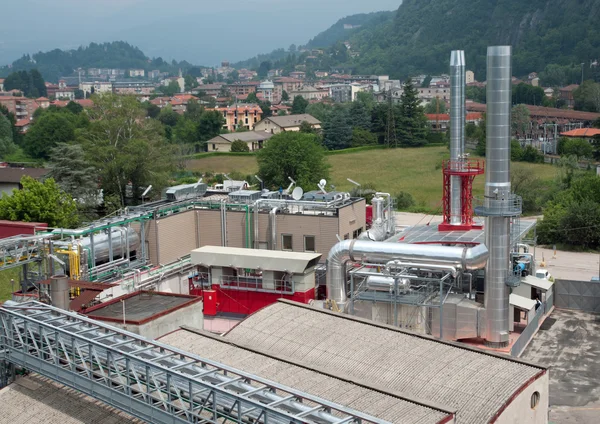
285,96
263,69
292,154
152,110
587,96
239,146
210,124
74,107
435,106
360,116
533,155
362,137
520,120
516,151
46,132
193,111
527,94
125,147
40,202
185,132
412,123
31,83
171,89
299,105
578,147
320,110
190,83
307,128
73,173
168,116
337,131
252,98
7,146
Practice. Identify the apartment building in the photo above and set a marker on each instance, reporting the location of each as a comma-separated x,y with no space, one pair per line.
241,115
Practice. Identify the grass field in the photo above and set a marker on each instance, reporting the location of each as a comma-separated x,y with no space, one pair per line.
6,287
416,171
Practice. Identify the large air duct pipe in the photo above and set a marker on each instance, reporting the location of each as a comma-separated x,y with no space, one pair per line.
273,225
381,253
59,291
498,204
457,131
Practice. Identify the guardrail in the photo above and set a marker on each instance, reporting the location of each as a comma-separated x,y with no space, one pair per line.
257,284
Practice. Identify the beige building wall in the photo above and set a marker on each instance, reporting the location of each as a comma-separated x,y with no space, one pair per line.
469,77
209,227
176,236
520,410
352,218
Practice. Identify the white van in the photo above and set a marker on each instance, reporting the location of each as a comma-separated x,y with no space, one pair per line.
543,274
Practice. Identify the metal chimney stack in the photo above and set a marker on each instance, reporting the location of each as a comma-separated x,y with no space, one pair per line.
500,204
457,130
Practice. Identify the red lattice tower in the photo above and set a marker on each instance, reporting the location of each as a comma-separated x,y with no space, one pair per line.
467,170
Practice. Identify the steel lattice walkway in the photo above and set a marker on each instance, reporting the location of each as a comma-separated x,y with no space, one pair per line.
150,380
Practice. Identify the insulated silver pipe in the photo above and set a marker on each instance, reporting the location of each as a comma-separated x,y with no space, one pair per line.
381,253
457,130
273,224
497,193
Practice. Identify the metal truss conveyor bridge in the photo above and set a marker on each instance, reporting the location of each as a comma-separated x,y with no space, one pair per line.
147,379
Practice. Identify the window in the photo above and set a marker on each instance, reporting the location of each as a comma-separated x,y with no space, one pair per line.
346,236
535,400
246,120
286,242
214,146
356,233
309,244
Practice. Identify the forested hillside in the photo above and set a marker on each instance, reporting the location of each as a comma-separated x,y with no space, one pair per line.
338,32
421,33
117,54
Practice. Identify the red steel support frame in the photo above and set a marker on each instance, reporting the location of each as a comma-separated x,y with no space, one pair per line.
467,170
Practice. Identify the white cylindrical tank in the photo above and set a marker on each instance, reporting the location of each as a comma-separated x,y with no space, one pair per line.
59,291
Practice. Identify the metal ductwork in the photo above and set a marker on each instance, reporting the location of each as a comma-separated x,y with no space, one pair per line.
457,130
273,225
378,230
381,253
499,203
59,291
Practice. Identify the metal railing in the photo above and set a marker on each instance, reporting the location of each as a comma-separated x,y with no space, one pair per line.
528,333
257,284
150,380
509,207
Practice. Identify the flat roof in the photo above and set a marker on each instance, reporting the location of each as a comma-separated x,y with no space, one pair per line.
140,307
379,402
37,400
521,302
475,383
539,283
430,234
271,260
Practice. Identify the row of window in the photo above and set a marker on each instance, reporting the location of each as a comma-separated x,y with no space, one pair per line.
309,241
287,243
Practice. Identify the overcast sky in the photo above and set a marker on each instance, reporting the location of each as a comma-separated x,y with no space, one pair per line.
203,32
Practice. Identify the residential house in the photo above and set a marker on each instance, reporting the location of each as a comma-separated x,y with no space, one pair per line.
21,107
440,122
274,73
137,73
288,84
298,75
240,115
212,90
321,74
242,88
10,178
179,80
469,77
222,143
309,93
278,124
566,94
133,87
23,125
582,133
246,74
154,74
440,90
43,102
97,87
280,109
341,93
1,84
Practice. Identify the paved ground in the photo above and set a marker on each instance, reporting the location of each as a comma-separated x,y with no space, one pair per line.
569,343
569,265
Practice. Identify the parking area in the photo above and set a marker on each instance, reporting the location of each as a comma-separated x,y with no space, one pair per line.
568,342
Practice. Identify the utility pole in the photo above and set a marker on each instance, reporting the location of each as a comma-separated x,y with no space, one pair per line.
582,63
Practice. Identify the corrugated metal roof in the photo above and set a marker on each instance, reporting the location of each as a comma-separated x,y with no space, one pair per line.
539,283
375,402
270,260
37,400
474,383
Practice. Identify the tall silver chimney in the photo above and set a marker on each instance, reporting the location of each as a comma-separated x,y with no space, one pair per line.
500,204
457,130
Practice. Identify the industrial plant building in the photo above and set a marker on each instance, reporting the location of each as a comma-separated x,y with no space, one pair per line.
348,318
